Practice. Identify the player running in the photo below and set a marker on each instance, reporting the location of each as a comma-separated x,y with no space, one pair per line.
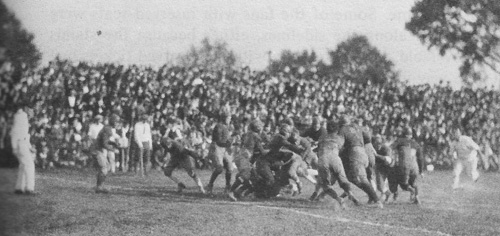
464,151
409,165
180,156
218,151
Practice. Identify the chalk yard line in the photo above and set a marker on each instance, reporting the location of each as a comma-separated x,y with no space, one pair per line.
338,219
343,220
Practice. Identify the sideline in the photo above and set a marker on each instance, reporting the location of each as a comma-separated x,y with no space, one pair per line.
338,219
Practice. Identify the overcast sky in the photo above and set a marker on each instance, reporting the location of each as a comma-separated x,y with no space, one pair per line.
152,31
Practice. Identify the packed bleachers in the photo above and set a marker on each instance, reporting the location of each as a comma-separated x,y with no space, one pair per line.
66,96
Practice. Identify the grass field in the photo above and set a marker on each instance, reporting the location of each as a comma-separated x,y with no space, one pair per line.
67,205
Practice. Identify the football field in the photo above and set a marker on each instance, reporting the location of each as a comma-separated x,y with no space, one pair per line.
67,205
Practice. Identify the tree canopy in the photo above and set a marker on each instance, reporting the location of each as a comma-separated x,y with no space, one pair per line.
16,43
211,55
355,58
296,62
470,28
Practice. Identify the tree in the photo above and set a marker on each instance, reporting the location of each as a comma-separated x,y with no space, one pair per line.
16,44
470,28
357,59
211,55
296,62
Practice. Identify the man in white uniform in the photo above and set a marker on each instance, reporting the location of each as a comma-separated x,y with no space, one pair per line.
143,140
464,151
21,147
95,127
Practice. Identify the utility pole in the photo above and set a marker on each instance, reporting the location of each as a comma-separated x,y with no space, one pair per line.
269,59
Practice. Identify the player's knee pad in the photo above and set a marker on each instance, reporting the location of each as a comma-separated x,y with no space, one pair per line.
356,180
218,169
330,191
241,179
323,184
393,187
346,186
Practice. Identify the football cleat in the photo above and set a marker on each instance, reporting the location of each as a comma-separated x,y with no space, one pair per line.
180,187
209,189
232,197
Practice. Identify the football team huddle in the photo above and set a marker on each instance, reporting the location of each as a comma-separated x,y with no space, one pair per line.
339,150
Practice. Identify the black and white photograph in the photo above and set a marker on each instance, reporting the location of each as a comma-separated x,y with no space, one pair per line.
280,117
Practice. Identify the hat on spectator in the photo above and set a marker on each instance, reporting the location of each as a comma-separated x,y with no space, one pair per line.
98,118
255,126
140,110
223,114
289,121
285,129
344,120
331,126
113,119
407,132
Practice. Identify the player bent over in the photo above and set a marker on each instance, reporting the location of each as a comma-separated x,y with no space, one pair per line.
383,165
464,151
370,151
265,162
251,149
309,158
104,144
180,157
357,159
408,166
312,135
292,166
330,167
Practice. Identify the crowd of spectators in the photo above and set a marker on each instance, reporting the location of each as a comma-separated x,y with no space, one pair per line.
66,97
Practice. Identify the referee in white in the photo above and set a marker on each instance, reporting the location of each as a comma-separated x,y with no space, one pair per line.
21,147
464,151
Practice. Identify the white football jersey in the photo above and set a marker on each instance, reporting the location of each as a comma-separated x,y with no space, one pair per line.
465,147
